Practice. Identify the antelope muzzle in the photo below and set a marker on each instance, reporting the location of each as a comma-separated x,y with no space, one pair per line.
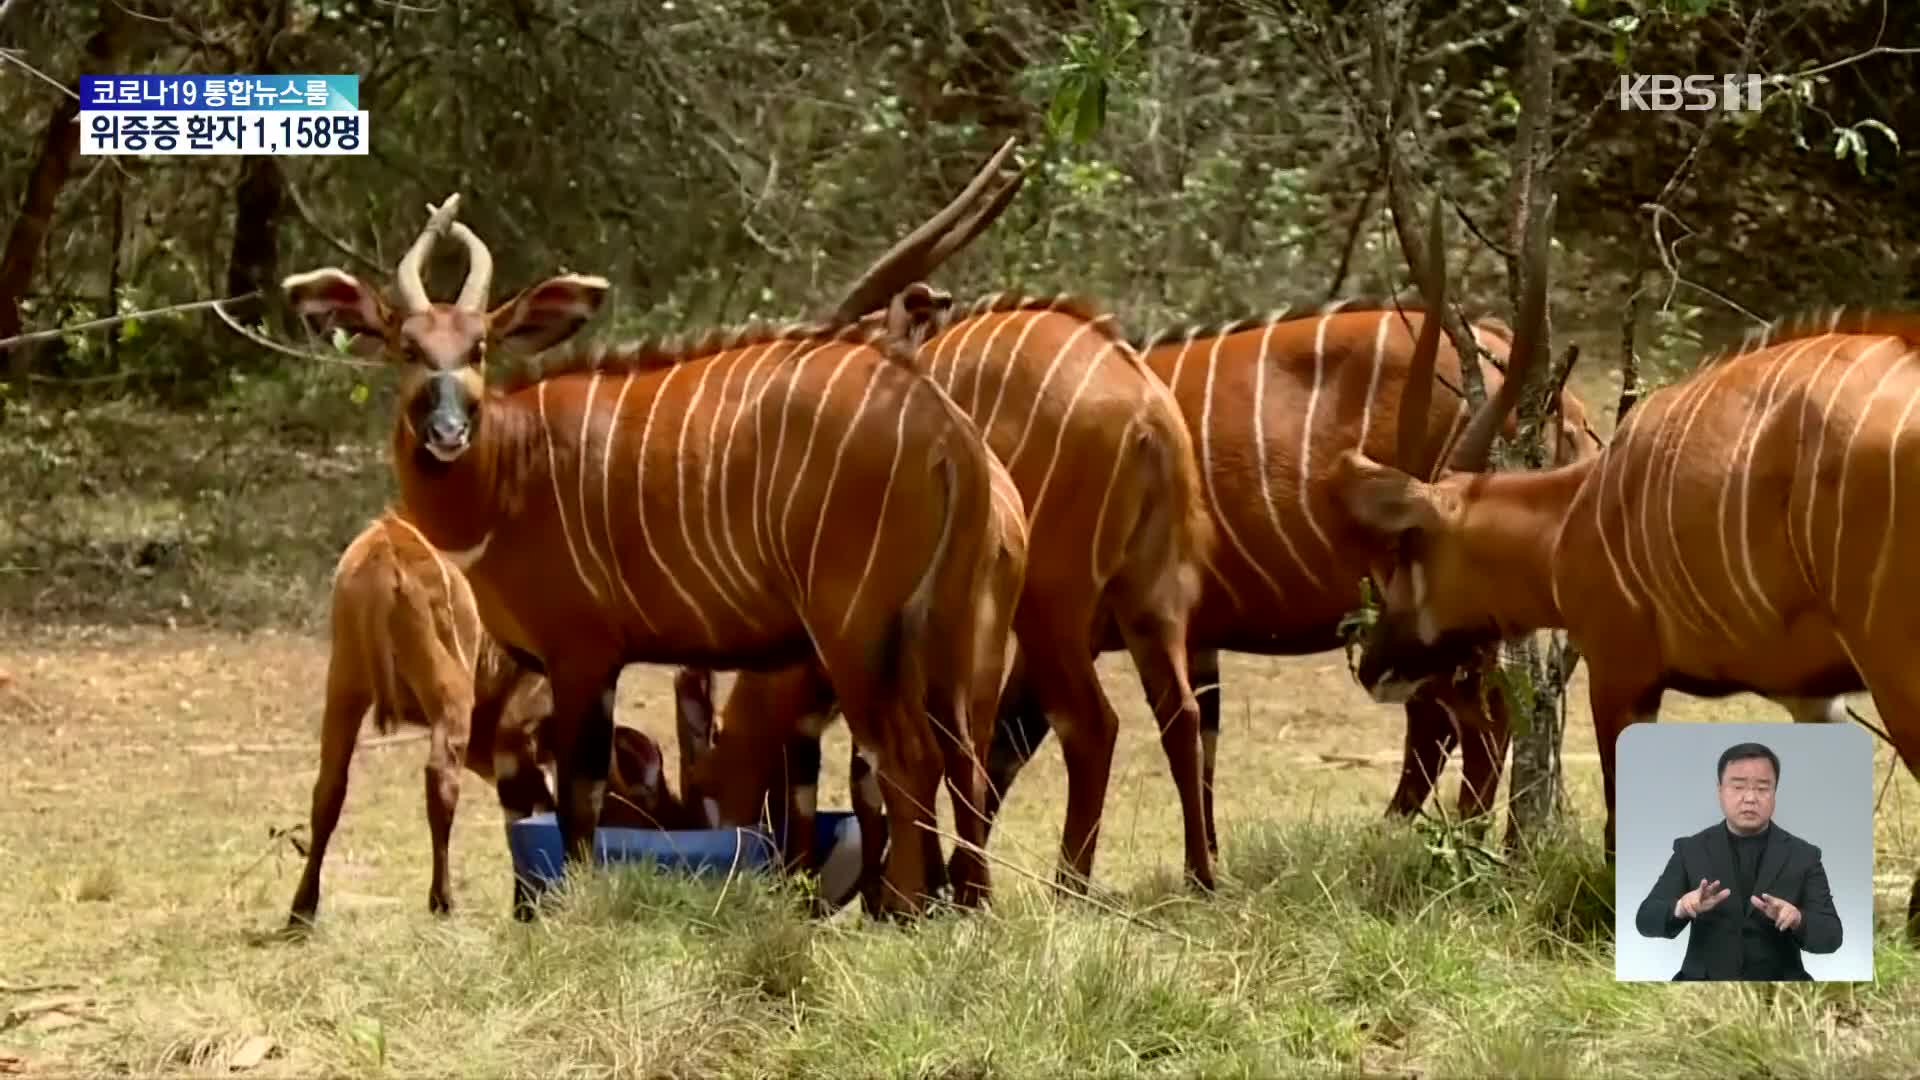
1395,662
448,412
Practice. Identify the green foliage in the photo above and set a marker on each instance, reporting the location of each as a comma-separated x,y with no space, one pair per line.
1097,68
736,159
1849,141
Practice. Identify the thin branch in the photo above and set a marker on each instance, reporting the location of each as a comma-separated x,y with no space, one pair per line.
1731,305
97,324
1360,215
1714,118
12,56
1460,211
219,308
1629,342
307,215
1877,50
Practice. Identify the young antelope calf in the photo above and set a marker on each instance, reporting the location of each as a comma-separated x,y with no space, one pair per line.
407,642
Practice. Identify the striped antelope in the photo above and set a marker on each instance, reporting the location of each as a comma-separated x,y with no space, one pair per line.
1118,533
1738,534
768,711
689,504
407,643
1272,403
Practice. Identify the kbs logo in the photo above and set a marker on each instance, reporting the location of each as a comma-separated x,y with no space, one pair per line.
1695,93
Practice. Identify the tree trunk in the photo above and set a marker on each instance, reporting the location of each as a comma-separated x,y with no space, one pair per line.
58,147
1534,798
253,263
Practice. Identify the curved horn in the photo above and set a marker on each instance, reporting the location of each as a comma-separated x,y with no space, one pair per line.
922,250
413,292
1470,453
473,294
1417,398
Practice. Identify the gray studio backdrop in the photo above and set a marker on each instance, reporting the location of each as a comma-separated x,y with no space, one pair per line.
1665,789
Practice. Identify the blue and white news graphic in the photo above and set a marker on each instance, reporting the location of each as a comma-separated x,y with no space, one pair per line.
171,115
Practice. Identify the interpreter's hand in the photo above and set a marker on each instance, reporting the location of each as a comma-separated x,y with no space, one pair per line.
1784,915
1703,898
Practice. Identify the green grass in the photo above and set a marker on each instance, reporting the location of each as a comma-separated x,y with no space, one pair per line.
1334,948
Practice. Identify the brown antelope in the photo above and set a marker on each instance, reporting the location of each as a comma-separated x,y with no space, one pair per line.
1737,534
1117,527
768,711
637,504
1272,403
408,643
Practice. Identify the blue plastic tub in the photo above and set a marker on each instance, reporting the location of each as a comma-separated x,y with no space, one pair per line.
539,856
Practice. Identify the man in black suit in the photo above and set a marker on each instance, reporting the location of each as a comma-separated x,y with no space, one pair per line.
1775,904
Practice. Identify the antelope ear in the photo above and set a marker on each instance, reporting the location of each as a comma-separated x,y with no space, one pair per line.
546,314
637,762
1383,498
341,300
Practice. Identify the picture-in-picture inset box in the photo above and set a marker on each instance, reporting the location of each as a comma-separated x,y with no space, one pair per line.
1744,852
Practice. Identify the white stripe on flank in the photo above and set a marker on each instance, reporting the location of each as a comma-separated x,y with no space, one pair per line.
962,354
886,495
1260,456
1840,489
757,397
1800,440
825,400
560,504
1820,442
1699,394
1755,403
1211,564
1373,379
1033,412
726,553
606,504
1059,436
640,505
763,507
1306,440
1659,581
1893,502
584,468
1100,574
833,477
695,553
1598,477
1039,394
1746,479
1206,469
